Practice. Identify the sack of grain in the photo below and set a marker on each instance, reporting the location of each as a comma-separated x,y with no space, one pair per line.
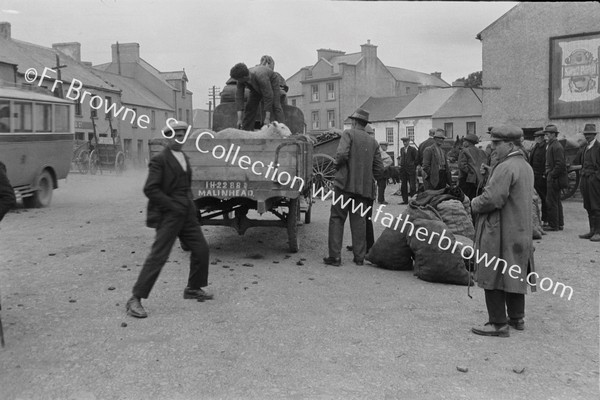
391,251
457,218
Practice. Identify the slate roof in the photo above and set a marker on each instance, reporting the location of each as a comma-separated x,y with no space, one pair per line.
176,75
426,103
351,59
422,78
28,55
465,102
385,108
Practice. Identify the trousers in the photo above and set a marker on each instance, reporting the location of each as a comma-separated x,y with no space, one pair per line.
252,108
358,224
499,302
381,185
539,184
187,228
554,207
408,176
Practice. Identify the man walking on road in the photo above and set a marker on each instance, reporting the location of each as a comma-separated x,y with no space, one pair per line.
555,171
408,169
590,181
358,163
172,212
503,230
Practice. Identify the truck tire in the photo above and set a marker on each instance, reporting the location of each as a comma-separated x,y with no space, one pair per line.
43,195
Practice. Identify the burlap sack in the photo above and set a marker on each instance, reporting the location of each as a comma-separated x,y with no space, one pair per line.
433,264
421,212
391,251
457,218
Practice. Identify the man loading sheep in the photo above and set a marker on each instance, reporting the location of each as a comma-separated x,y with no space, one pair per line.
263,84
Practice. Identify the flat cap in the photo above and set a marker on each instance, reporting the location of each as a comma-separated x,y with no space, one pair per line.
470,137
506,133
405,139
174,126
384,144
538,133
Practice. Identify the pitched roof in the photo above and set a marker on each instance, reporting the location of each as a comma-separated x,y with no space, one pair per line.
496,21
426,103
133,92
422,78
351,59
28,55
465,102
176,75
385,108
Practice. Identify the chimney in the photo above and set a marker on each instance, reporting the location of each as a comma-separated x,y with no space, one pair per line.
72,49
437,74
368,50
328,54
5,30
125,53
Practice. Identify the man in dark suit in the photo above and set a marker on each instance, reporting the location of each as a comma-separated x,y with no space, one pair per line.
172,212
408,169
590,181
555,168
358,163
435,164
7,194
537,159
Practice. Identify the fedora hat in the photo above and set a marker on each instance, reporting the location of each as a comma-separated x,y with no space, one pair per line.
439,134
590,129
361,115
405,139
470,137
551,129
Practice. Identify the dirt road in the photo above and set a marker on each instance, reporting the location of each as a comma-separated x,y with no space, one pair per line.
276,329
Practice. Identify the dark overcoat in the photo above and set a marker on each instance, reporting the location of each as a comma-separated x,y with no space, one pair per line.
7,194
504,225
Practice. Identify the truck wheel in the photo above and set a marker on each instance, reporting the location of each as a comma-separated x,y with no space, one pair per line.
43,195
292,224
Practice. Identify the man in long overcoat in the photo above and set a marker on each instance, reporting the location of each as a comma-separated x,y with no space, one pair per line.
409,156
590,181
537,160
172,212
504,235
470,159
555,169
435,164
358,164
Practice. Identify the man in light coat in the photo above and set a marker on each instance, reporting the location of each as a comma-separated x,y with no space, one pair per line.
358,163
504,234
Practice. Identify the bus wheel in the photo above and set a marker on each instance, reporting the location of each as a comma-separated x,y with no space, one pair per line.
43,195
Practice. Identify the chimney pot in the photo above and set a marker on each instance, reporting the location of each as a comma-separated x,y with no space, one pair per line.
5,30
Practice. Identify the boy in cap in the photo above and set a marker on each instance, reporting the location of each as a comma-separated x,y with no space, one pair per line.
590,181
172,212
503,231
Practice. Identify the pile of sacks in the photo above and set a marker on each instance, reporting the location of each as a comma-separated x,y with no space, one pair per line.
433,259
274,130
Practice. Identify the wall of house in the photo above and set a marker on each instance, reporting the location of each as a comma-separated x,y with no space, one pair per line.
516,54
460,125
421,125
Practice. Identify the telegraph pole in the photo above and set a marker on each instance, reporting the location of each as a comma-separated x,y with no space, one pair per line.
212,93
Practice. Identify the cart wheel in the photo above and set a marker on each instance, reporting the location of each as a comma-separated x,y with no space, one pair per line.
323,171
120,163
43,195
83,162
292,224
93,162
573,185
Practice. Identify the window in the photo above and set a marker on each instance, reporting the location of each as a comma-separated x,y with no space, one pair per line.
389,135
153,119
78,108
471,128
449,128
93,111
187,116
293,102
315,119
134,125
61,118
22,117
4,116
331,118
407,90
410,132
43,118
330,91
107,105
315,92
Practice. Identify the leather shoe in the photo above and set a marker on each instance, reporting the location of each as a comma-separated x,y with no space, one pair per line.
135,309
517,324
197,294
336,262
490,329
358,262
551,229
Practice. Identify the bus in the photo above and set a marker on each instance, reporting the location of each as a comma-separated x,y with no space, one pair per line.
36,142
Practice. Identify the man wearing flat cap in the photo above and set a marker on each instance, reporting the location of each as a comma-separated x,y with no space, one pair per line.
358,164
470,159
409,157
556,172
425,144
589,159
172,212
503,230
537,160
437,173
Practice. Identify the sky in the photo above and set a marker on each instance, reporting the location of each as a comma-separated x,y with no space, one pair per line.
207,37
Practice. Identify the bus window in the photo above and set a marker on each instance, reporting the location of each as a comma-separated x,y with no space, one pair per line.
61,118
22,117
43,117
4,116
